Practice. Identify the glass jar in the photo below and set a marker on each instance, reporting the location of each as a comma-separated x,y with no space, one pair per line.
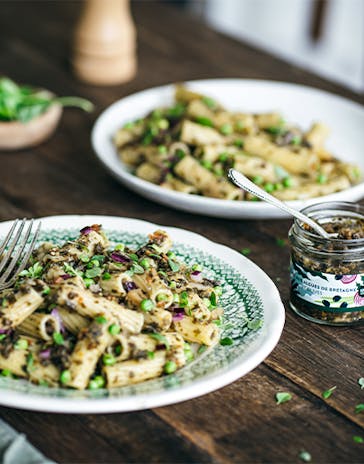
327,274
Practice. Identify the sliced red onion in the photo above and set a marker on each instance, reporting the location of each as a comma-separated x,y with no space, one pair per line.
57,316
118,258
45,354
178,314
129,286
65,276
86,230
4,331
196,276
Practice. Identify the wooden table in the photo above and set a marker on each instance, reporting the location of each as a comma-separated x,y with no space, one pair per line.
241,422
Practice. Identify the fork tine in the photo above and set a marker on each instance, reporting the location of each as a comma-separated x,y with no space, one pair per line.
7,238
18,253
6,258
24,260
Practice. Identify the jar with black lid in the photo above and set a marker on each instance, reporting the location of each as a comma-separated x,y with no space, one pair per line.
327,274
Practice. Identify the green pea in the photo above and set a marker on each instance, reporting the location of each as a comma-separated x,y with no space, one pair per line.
96,383
65,376
114,329
108,359
268,187
146,305
145,263
170,367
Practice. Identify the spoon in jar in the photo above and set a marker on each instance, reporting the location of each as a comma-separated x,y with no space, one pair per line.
243,182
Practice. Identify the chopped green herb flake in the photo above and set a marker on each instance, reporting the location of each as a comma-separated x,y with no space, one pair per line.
204,121
162,297
358,439
145,263
245,251
206,164
321,179
137,269
359,408
119,247
305,456
6,373
202,349
30,363
209,102
223,157
183,299
213,299
21,344
84,258
2,336
226,129
226,341
46,291
33,272
239,143
162,149
43,383
173,265
150,354
58,338
160,338
283,397
94,272
106,276
327,393
101,319
281,242
255,324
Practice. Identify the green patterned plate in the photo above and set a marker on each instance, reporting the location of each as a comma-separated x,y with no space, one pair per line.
253,311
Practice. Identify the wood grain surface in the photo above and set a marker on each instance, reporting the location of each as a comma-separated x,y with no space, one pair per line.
240,423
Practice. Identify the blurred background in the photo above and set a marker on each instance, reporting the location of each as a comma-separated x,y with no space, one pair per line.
324,36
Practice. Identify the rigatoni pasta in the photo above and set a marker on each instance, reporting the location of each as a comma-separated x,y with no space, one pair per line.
84,315
190,146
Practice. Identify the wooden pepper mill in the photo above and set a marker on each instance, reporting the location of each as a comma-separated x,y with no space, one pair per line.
105,43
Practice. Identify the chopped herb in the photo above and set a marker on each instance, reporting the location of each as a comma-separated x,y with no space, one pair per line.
134,257
170,367
84,258
30,363
245,251
275,130
296,140
46,291
162,297
136,269
305,456
96,383
258,180
188,352
2,336
65,376
160,338
43,383
173,265
361,382
146,305
218,172
183,299
223,157
226,341
33,272
145,263
119,247
156,248
255,324
359,408
321,179
106,276
94,272
206,164
358,439
204,121
239,143
196,267
283,397
108,359
88,282
58,338
6,373
70,270
4,303
172,285
281,242
21,344
162,149
101,319
327,393
213,299
209,102
150,354
129,125
202,349
114,329
226,129
176,111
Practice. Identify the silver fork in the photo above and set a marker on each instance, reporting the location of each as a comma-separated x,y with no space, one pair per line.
17,254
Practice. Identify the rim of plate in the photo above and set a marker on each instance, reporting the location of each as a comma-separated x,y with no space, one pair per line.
201,204
267,339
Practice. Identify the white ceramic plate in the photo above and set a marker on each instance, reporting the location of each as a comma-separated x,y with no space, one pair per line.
248,294
298,104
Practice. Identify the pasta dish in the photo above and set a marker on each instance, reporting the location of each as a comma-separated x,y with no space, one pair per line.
84,315
190,146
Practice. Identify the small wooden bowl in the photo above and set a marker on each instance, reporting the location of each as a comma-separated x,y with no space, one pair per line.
16,135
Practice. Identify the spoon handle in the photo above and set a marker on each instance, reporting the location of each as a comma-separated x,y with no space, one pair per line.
243,182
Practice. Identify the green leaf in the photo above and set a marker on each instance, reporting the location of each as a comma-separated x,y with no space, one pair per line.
71,271
204,121
213,300
137,269
283,397
327,393
183,299
359,408
358,439
94,272
33,272
245,251
160,338
58,338
226,341
173,265
305,456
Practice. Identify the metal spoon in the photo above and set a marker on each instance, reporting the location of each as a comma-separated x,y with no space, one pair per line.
243,182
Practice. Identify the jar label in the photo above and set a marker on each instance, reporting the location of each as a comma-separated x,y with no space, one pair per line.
333,293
